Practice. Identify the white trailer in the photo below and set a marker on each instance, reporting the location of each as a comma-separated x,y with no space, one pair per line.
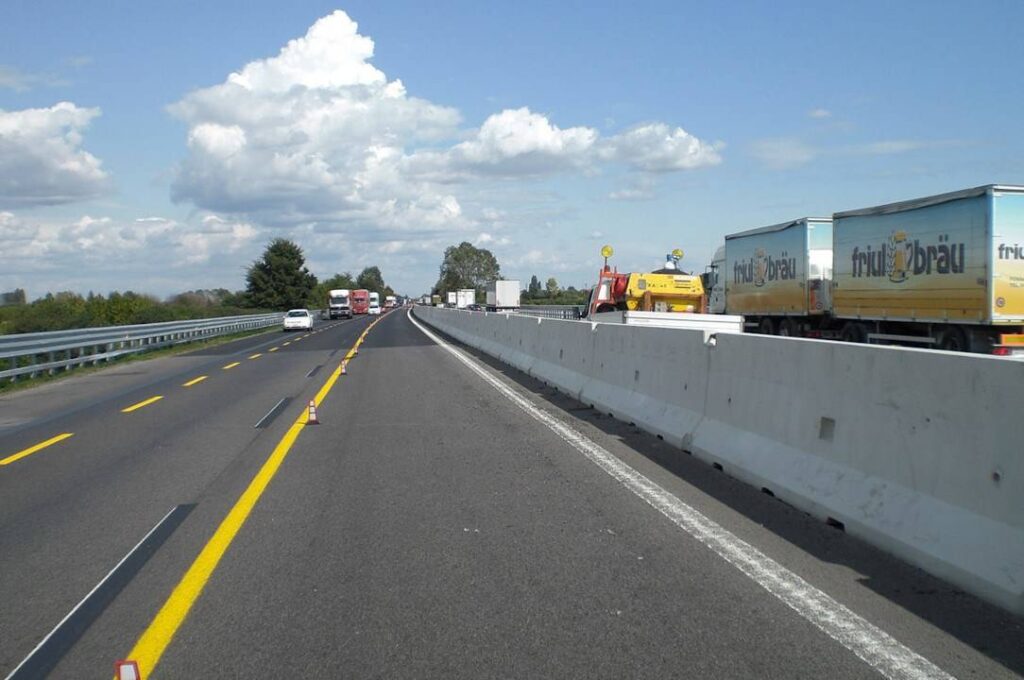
503,295
465,297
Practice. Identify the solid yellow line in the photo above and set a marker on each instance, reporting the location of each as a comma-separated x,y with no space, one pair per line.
145,402
153,642
195,381
256,356
32,449
232,365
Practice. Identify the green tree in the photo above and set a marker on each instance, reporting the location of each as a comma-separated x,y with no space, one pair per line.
371,279
534,287
279,279
466,266
552,287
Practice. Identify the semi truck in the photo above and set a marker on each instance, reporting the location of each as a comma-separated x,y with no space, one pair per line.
338,305
374,307
390,301
503,295
360,301
944,271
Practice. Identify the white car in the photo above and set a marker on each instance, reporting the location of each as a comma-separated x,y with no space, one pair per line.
374,308
298,320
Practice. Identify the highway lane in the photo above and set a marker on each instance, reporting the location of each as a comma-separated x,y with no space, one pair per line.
429,527
69,512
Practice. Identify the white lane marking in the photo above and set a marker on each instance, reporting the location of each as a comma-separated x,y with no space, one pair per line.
270,412
81,603
871,644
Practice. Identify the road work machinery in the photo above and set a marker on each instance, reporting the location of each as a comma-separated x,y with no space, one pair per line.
668,289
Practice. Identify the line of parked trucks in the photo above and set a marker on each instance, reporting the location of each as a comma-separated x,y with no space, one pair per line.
343,303
945,271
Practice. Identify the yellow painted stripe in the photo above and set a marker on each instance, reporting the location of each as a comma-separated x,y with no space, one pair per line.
272,349
232,365
195,381
153,642
32,449
144,402
287,343
256,356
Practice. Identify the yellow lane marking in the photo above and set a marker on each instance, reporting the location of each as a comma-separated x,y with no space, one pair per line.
272,349
144,402
195,381
232,365
32,449
256,356
152,644
287,343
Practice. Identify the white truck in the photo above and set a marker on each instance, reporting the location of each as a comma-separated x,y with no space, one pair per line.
390,301
503,295
465,297
374,303
338,304
452,298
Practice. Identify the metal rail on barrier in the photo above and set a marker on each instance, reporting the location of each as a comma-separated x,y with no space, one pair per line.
29,354
571,312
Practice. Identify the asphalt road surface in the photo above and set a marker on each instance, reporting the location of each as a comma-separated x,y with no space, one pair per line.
447,517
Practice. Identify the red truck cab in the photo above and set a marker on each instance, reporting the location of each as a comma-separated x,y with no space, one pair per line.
360,301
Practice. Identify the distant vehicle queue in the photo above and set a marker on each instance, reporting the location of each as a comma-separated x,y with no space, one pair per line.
343,303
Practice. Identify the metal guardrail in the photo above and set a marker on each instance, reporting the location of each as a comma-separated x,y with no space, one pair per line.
571,312
29,354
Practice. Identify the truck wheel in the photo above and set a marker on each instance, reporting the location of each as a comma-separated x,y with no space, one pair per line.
789,328
767,326
854,332
952,339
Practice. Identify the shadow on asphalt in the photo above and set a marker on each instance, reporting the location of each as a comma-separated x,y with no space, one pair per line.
985,627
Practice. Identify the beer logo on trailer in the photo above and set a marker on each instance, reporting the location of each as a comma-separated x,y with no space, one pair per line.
901,257
762,268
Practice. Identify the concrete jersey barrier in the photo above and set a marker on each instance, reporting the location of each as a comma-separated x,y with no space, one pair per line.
917,452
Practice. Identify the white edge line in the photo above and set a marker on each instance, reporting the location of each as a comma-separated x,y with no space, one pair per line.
869,643
276,406
91,592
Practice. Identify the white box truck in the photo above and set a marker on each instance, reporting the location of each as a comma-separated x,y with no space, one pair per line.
465,297
453,298
503,295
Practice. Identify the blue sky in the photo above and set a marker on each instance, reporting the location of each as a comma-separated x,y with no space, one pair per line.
539,130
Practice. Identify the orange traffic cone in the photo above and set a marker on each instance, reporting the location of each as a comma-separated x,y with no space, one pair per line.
128,670
311,419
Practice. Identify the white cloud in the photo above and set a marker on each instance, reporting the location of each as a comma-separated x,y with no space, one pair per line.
41,159
783,153
819,113
656,147
317,135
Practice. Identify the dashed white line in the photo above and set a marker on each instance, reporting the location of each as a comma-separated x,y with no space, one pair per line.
871,644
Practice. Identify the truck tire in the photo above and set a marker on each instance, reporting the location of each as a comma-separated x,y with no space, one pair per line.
789,328
767,326
951,339
854,332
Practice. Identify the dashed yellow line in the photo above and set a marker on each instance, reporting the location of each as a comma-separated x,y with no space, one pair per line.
144,402
256,356
231,365
194,381
33,449
153,642
287,343
272,349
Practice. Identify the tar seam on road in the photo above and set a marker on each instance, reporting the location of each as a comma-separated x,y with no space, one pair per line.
272,413
316,368
871,644
48,653
150,646
33,449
